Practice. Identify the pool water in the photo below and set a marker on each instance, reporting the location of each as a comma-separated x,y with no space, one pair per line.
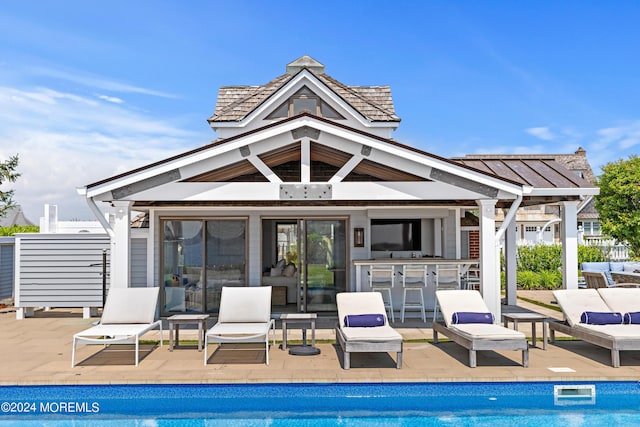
318,405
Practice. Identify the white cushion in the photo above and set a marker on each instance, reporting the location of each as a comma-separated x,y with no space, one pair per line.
379,333
576,301
623,300
360,303
452,301
487,330
245,304
130,305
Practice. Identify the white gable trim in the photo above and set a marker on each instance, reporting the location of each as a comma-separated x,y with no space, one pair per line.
279,135
303,78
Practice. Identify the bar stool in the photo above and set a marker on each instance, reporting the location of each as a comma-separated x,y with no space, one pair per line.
381,278
472,277
414,279
447,277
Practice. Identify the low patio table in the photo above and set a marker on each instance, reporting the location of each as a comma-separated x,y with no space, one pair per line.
304,319
185,319
529,317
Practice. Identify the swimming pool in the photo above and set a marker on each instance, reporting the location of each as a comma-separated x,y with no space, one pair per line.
405,404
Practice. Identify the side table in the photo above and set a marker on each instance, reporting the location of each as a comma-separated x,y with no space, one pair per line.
305,319
185,319
529,317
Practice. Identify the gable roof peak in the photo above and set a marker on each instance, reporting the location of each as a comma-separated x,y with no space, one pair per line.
307,62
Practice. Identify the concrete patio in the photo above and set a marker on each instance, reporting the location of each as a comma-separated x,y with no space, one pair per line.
37,350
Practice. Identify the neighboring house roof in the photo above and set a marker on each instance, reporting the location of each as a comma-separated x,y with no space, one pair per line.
14,216
237,102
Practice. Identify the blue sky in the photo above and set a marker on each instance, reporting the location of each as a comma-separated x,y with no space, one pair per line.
90,89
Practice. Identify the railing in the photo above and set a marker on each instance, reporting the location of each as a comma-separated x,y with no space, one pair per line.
615,250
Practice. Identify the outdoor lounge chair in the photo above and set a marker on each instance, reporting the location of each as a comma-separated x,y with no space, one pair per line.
616,337
128,314
475,336
598,280
244,317
376,339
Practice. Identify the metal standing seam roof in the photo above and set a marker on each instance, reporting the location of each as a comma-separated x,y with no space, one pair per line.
237,102
542,172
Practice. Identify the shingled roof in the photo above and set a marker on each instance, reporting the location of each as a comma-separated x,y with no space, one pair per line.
237,102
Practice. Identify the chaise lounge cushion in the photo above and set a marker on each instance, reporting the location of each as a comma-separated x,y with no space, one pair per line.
624,300
471,301
350,304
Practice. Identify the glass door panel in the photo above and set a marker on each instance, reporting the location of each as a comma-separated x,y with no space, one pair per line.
324,245
226,253
182,266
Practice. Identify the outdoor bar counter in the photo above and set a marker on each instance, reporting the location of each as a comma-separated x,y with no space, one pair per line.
464,264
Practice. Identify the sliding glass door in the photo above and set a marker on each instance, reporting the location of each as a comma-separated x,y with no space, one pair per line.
199,256
304,259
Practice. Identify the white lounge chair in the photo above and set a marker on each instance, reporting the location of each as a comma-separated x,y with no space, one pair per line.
475,336
613,337
128,314
244,317
365,339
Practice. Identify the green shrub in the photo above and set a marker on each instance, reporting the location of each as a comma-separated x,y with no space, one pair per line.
550,279
528,279
539,258
591,254
14,229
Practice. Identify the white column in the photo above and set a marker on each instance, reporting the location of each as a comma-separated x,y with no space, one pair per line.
458,234
437,236
254,262
305,160
489,264
119,272
569,240
510,252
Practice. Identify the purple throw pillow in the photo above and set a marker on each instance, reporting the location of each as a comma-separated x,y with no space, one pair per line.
632,318
462,317
364,320
601,318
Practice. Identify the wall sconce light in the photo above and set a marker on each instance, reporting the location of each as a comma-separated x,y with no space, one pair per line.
358,237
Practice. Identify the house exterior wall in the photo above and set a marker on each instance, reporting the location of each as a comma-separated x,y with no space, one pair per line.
355,218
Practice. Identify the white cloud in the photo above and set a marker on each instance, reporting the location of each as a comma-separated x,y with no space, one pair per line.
622,137
543,133
65,141
95,81
111,99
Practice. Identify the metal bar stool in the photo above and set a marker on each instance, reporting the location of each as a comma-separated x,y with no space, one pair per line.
447,276
414,279
381,278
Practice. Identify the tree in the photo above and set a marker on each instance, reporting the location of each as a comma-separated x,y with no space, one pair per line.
7,174
619,201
